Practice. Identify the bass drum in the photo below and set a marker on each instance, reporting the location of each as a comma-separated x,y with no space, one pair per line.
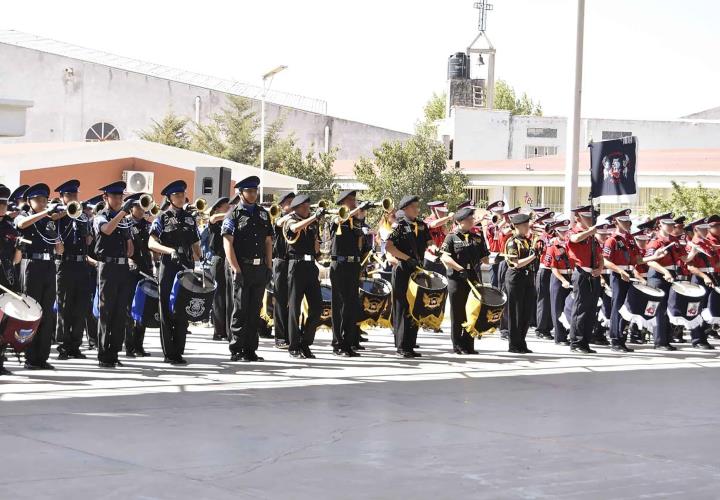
375,302
641,305
684,302
192,294
145,306
483,310
426,295
19,320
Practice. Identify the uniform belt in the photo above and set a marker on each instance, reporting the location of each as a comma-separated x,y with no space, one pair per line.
565,271
71,258
625,268
671,268
38,256
605,271
706,269
114,260
345,258
254,262
305,257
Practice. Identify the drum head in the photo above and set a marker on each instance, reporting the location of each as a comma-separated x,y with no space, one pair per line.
376,286
649,290
688,289
26,309
430,280
149,288
193,281
491,296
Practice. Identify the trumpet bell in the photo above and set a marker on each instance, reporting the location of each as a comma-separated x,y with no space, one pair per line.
322,204
200,204
146,202
99,207
343,212
274,211
74,209
155,209
387,204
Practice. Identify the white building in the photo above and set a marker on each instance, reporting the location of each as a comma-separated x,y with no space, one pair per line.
84,94
13,115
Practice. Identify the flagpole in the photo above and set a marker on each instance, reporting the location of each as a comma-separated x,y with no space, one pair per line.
573,131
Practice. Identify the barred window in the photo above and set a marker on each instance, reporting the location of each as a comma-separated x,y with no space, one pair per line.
535,151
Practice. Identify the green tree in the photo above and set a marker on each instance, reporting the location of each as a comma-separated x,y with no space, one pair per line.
171,130
435,107
505,98
692,202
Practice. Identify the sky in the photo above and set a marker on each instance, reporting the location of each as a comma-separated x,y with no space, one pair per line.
379,61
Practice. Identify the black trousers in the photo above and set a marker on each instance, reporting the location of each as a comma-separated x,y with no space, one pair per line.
248,295
495,274
73,294
584,311
558,295
458,291
173,327
113,286
8,275
134,330
229,298
280,291
303,281
520,302
662,331
544,309
501,276
38,281
617,322
220,305
91,322
345,303
404,327
697,334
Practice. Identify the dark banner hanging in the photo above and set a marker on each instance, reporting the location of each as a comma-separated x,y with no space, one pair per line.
613,170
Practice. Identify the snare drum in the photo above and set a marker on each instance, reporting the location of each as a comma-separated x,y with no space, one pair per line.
684,303
144,307
375,300
426,296
326,310
711,313
19,320
641,305
192,294
483,309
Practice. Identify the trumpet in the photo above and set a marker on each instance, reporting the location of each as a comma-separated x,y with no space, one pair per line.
321,204
155,209
146,202
274,211
74,209
98,207
387,204
199,205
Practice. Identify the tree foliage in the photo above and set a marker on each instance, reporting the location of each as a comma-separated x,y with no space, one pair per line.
171,130
505,98
692,202
435,107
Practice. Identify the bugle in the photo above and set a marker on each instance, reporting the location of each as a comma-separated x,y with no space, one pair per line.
74,209
146,202
155,209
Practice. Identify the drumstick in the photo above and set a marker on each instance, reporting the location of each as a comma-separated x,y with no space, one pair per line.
147,275
7,290
24,240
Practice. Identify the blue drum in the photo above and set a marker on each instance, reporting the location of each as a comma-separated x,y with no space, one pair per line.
641,305
711,313
684,302
192,295
145,308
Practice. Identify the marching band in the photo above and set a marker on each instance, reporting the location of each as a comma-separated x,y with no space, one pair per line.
115,265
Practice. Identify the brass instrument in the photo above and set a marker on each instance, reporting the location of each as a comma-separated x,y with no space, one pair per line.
155,209
146,202
387,204
98,207
321,204
343,214
74,209
274,212
199,206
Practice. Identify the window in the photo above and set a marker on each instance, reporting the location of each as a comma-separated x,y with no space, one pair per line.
535,151
207,185
608,135
102,132
550,133
478,195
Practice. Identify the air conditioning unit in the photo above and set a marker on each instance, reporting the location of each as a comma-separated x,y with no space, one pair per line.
139,182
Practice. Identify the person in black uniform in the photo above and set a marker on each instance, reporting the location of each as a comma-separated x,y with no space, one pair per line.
37,272
141,267
303,239
17,203
407,244
175,236
280,275
519,283
461,252
91,322
365,248
220,306
113,245
248,247
346,242
8,241
72,281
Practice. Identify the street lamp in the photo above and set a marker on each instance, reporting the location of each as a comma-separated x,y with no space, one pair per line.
267,81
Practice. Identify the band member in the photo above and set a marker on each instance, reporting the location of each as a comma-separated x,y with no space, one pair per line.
91,322
247,236
365,250
220,313
599,337
506,231
113,246
556,258
346,242
702,268
586,256
437,226
541,240
496,235
303,239
174,235
141,266
37,272
72,281
519,256
280,274
662,273
8,241
407,244
460,252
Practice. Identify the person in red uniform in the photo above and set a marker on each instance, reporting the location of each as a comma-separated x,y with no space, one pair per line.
662,273
558,261
541,239
494,230
586,256
702,268
505,232
436,223
640,271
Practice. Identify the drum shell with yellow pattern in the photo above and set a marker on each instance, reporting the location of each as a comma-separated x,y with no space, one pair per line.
426,295
375,303
326,313
483,309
